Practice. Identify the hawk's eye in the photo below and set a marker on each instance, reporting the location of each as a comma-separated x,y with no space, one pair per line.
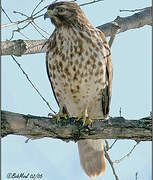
60,10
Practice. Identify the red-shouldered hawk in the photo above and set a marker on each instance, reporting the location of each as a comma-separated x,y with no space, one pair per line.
79,68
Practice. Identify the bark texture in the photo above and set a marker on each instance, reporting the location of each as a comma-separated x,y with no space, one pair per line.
72,130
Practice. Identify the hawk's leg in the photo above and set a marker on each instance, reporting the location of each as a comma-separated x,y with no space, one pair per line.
61,114
84,117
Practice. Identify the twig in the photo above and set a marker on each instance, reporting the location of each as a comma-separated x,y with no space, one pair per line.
133,10
33,16
29,19
23,35
120,111
40,11
111,163
19,31
6,14
95,1
38,30
136,176
16,12
41,28
109,147
32,84
113,143
127,155
36,7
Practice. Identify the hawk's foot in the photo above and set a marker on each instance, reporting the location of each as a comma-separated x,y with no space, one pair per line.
61,114
84,117
90,121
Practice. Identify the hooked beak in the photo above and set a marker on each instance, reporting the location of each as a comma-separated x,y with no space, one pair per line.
48,14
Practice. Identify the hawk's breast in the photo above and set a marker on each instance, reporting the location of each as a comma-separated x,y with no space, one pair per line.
77,69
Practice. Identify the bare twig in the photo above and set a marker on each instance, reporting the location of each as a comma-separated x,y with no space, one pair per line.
29,19
38,30
87,3
41,28
111,163
36,7
19,31
113,143
33,16
133,10
32,84
107,145
6,15
23,34
40,11
16,12
120,111
127,155
136,176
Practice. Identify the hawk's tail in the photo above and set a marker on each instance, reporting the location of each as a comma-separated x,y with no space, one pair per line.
92,157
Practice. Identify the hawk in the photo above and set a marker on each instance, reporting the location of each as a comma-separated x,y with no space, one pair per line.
79,68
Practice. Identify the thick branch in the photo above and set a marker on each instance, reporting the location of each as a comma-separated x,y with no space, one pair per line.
21,47
113,128
137,20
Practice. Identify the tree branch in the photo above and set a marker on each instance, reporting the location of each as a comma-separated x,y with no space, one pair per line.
72,130
21,47
111,163
137,20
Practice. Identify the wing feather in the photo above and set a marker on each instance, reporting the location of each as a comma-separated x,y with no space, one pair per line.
107,93
51,43
51,80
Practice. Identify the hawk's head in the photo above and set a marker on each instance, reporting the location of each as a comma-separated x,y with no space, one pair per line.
65,14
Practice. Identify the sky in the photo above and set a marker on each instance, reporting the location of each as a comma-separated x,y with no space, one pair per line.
55,159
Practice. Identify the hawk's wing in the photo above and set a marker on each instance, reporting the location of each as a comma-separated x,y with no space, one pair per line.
106,97
51,43
50,79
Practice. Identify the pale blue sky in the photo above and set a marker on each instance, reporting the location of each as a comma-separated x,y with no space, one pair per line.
131,54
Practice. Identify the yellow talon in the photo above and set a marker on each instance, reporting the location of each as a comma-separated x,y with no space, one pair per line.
52,115
83,116
59,115
79,117
58,118
90,121
84,120
65,116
